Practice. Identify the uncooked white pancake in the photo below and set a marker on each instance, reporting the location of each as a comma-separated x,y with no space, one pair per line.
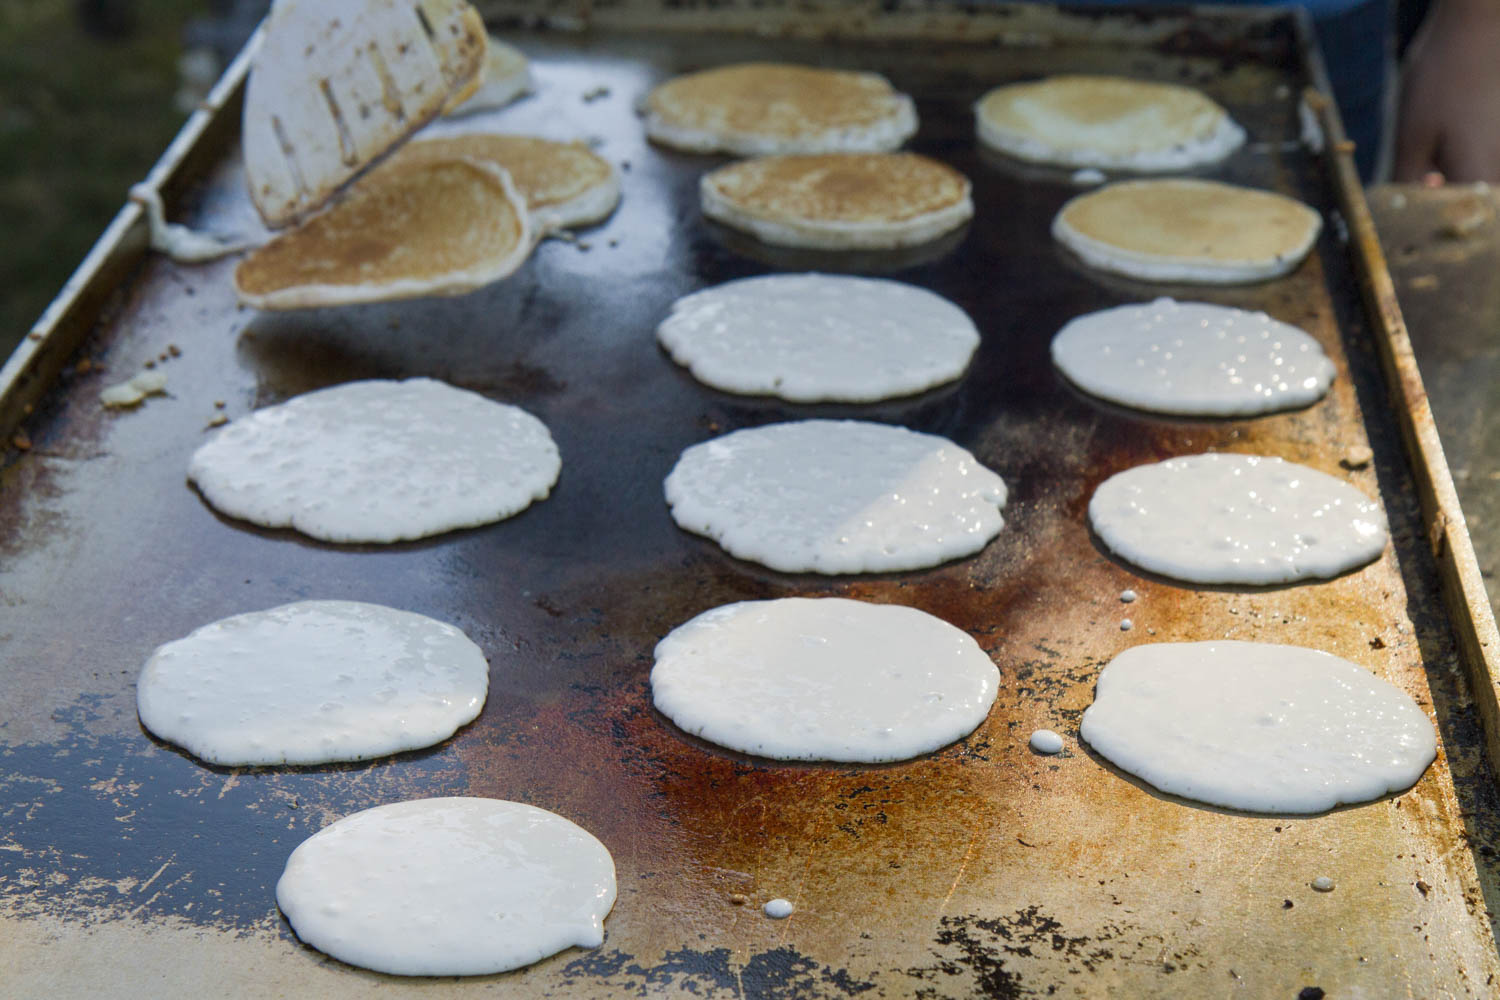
1106,121
823,679
836,496
1192,358
816,337
1255,726
312,682
839,201
1187,230
378,461
754,108
1222,518
448,887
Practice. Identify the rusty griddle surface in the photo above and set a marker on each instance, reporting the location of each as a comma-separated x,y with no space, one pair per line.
981,869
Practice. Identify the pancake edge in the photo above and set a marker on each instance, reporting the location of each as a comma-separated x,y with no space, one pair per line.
454,283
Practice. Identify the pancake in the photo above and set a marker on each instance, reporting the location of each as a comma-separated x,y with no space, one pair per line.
312,683
836,496
1192,358
839,201
505,75
1238,519
1255,726
564,183
448,887
823,679
378,461
337,83
758,108
423,228
813,338
1187,230
1106,121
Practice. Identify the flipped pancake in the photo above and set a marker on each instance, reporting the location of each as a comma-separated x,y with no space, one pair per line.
839,201
564,183
408,230
1106,121
755,108
1187,230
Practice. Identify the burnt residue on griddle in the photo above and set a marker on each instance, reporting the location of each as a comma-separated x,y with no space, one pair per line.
984,956
121,827
775,974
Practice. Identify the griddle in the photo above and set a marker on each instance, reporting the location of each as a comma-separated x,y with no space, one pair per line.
128,868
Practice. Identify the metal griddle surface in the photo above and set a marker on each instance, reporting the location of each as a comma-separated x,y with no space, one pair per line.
128,867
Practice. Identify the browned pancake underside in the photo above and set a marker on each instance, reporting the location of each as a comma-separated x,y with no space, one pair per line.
841,187
1200,219
773,100
546,173
417,223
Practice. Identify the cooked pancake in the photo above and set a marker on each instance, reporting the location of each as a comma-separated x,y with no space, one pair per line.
564,183
337,83
506,75
839,201
1188,230
756,108
425,228
1106,121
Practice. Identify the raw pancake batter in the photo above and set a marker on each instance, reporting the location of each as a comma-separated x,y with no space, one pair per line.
815,337
836,496
1223,518
312,683
1192,358
378,461
448,887
1258,727
823,679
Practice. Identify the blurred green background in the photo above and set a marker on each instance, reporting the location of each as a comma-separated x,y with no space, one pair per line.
86,106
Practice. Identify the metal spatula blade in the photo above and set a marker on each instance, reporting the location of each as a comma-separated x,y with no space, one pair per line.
337,83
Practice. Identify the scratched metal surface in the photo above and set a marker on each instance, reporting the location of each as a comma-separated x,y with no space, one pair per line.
128,868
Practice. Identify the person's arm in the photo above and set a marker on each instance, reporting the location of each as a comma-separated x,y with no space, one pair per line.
1449,118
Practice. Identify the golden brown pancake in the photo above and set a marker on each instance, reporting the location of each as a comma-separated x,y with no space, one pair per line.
1188,230
838,201
337,83
505,76
755,108
1106,121
442,227
564,183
